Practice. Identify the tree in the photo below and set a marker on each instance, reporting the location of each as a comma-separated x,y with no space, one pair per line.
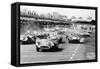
34,14
89,18
73,17
42,16
23,12
80,18
49,15
55,15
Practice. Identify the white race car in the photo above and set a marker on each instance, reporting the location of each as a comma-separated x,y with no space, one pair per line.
42,43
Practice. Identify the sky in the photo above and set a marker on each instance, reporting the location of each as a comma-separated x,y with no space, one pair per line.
84,13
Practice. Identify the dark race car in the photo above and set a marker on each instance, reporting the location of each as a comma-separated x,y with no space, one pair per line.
75,39
27,40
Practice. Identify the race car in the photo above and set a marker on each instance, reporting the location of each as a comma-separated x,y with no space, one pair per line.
43,43
78,32
27,39
75,39
55,38
85,34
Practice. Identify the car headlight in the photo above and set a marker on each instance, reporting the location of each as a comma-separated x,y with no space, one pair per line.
74,37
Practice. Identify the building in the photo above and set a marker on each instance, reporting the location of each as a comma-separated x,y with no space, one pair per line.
84,26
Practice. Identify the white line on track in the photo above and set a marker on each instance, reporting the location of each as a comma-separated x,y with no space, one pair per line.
74,52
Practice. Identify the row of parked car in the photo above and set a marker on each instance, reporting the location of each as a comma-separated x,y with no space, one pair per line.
48,40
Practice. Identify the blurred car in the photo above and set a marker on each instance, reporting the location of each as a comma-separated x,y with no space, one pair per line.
85,34
43,43
78,32
54,37
75,39
27,39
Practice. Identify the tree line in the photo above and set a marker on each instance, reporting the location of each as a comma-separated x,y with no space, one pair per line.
53,15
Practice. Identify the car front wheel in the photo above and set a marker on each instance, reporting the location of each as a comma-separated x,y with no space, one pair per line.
38,49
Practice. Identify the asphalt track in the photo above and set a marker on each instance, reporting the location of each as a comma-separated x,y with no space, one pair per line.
65,52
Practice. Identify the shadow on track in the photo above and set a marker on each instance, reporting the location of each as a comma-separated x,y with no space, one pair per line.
53,50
